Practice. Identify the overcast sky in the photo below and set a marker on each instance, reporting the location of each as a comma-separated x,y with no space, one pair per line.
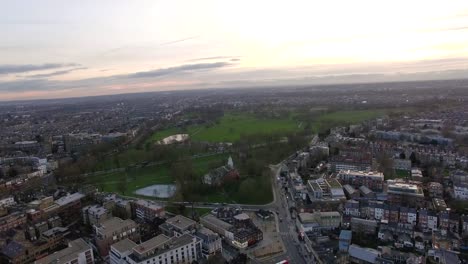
57,48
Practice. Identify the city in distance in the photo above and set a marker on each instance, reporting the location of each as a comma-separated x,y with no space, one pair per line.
233,132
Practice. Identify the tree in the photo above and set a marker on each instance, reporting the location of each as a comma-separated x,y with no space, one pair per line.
122,185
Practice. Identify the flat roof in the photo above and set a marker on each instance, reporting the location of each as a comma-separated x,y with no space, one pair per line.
215,221
180,221
124,245
114,224
66,255
242,217
149,245
69,198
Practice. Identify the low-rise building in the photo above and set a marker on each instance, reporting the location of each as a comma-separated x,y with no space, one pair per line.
365,226
95,214
319,221
178,225
404,193
373,180
184,249
120,251
211,242
114,230
147,210
77,252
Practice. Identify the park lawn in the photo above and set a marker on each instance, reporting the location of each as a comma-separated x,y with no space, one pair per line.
164,134
202,165
341,118
232,126
136,178
146,176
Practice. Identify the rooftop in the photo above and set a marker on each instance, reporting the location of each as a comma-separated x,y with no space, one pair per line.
242,217
69,199
66,255
152,244
149,204
370,174
180,222
215,221
124,245
114,224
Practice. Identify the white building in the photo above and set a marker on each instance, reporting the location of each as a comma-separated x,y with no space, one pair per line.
460,192
120,251
163,249
8,201
432,222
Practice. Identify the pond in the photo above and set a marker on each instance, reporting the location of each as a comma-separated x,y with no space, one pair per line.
158,190
174,139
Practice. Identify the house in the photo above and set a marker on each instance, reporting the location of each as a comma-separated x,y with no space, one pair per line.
460,184
219,176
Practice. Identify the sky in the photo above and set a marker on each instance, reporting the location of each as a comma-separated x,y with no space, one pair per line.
56,48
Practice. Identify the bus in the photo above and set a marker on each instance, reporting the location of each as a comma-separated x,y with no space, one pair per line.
283,262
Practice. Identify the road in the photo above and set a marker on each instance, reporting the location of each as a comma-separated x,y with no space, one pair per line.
287,226
295,250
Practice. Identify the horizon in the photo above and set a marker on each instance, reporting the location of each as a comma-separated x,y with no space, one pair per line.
116,47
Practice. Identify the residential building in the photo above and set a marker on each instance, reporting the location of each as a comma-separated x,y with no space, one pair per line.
95,214
402,165
325,188
351,208
147,210
7,201
120,251
359,225
114,230
161,249
12,220
350,191
435,190
319,221
211,242
178,225
373,180
77,252
404,193
460,184
218,226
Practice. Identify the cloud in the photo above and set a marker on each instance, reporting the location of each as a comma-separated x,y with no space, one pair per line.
178,69
23,68
177,41
231,58
55,73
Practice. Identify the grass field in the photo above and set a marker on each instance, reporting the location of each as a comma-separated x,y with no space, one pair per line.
346,118
142,177
230,128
